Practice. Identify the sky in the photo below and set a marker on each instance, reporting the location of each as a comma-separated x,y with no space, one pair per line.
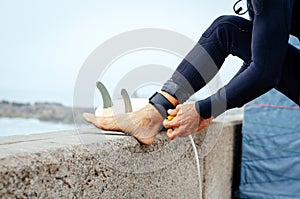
43,44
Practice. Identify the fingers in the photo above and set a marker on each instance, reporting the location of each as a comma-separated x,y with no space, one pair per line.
174,122
171,124
173,112
172,134
204,124
186,121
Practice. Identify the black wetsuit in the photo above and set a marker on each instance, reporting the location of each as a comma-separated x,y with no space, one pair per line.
262,43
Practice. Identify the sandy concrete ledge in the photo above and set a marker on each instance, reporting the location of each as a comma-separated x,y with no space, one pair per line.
84,164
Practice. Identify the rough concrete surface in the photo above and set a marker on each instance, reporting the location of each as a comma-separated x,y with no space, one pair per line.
84,164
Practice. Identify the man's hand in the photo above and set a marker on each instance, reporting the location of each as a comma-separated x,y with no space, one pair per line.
186,121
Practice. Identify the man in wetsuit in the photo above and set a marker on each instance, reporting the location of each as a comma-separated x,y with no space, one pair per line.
269,62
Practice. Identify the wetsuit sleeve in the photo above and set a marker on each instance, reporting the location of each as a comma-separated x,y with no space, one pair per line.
271,27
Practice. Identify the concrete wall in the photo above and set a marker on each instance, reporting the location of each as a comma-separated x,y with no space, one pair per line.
84,164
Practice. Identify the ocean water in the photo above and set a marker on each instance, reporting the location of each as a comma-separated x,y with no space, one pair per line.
21,126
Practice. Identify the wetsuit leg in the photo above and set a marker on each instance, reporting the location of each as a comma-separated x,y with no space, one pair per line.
227,35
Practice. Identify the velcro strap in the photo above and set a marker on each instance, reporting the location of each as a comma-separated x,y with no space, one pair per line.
161,103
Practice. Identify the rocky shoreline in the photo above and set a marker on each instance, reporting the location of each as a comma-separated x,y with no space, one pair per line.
53,112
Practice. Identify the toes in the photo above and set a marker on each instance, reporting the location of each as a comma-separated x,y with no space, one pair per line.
89,117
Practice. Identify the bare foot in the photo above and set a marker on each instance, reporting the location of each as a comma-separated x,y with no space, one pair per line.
143,124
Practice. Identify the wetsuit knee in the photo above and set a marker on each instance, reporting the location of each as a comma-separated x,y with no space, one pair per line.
221,23
224,32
